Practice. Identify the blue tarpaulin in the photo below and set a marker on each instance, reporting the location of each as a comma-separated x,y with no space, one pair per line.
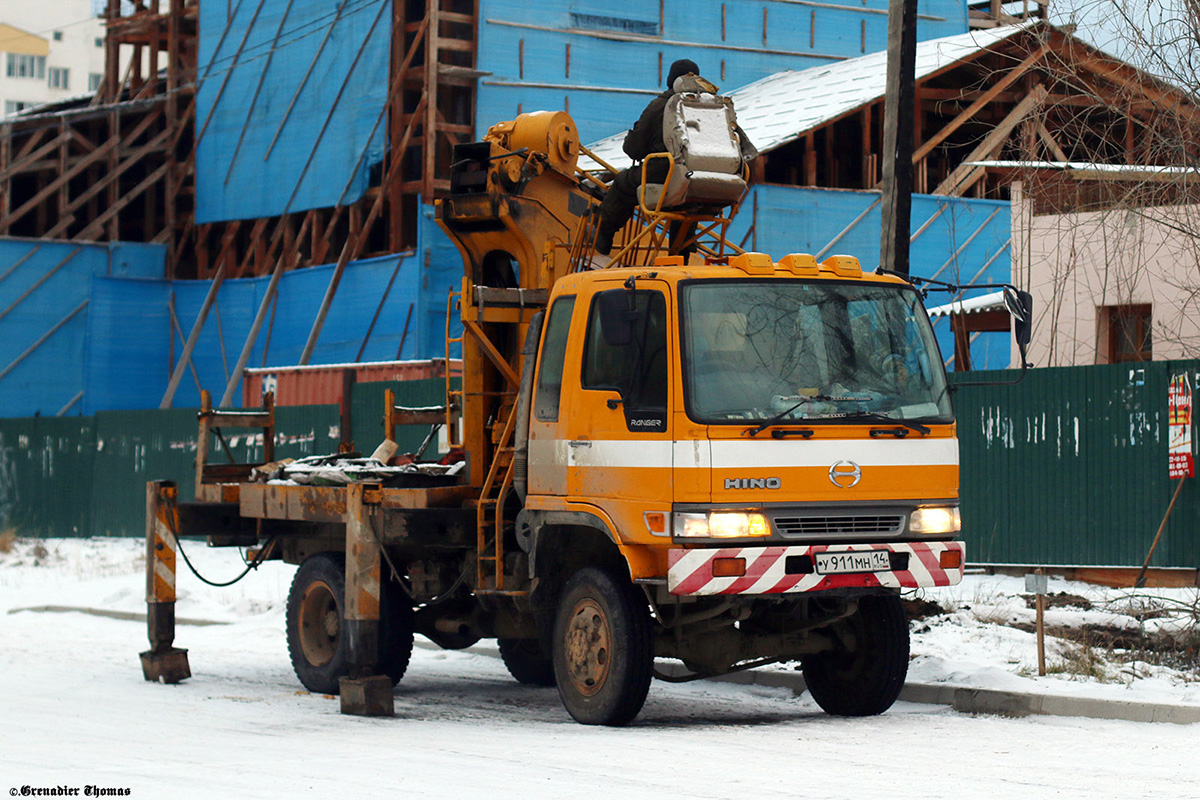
602,60
117,344
133,371
46,316
290,107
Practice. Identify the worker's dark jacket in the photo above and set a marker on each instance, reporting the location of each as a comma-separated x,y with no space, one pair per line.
646,137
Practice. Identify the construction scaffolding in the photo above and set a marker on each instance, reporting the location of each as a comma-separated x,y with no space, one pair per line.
124,166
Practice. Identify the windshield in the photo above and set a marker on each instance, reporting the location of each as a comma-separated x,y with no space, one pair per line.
819,350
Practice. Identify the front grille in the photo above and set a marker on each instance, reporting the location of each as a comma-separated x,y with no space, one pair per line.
813,527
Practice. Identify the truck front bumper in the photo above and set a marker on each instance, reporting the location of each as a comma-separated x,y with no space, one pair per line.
813,568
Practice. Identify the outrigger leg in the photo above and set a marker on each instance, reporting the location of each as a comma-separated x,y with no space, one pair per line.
163,662
363,692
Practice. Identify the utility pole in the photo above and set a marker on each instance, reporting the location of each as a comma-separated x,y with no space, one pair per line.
898,135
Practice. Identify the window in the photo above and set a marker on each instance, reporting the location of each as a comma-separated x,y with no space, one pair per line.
818,351
13,106
632,359
59,78
58,36
99,41
23,66
1125,334
94,79
554,350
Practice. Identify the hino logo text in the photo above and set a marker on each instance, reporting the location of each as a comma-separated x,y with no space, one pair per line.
753,483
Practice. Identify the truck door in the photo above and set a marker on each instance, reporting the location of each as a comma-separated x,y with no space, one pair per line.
547,437
618,427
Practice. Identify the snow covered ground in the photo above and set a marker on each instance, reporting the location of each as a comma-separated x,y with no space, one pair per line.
75,712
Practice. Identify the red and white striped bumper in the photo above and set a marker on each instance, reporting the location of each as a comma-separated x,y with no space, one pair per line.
777,570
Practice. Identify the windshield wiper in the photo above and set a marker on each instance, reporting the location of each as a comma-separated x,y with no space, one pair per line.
869,416
778,418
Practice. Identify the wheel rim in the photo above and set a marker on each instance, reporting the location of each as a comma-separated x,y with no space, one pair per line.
320,624
588,647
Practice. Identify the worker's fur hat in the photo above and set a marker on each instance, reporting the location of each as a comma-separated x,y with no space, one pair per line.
681,67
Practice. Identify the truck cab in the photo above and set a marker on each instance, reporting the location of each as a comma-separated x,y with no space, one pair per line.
795,411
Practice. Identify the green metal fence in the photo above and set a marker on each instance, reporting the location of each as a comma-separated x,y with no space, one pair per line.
1067,467
46,475
86,476
1070,467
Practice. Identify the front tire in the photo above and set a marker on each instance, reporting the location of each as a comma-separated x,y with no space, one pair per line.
603,648
864,674
315,634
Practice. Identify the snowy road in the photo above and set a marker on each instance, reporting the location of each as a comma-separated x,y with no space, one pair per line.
76,713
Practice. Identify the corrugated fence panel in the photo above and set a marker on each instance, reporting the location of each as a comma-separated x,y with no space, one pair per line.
46,476
1070,467
133,447
368,407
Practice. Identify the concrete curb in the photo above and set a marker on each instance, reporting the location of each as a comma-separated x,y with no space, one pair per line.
128,616
992,701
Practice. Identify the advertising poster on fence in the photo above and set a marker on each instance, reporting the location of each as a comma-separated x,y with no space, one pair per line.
1180,463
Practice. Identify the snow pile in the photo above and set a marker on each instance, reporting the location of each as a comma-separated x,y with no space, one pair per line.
987,640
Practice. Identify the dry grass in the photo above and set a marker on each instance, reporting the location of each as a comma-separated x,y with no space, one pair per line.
8,538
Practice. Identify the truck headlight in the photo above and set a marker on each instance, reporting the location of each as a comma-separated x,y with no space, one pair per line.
721,525
935,520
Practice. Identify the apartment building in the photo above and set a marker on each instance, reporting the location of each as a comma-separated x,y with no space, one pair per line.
49,51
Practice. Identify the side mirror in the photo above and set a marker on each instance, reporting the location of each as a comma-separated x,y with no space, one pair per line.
1020,305
618,316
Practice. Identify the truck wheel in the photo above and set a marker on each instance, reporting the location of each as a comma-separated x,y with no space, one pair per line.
603,648
864,674
314,626
395,631
526,662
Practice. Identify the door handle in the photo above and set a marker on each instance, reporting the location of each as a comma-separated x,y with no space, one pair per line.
579,443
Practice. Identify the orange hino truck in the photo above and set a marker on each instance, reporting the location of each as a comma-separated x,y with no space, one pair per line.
692,461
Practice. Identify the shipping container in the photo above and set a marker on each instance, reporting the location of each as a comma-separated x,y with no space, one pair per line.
325,384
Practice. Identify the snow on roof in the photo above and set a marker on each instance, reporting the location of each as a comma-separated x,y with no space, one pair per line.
992,301
1086,167
781,107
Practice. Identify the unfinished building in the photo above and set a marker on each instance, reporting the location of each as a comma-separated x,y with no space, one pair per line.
260,137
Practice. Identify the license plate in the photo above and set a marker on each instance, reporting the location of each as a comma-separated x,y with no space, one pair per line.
858,561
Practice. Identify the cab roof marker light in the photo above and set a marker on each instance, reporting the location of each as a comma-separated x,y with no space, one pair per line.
843,266
754,264
800,264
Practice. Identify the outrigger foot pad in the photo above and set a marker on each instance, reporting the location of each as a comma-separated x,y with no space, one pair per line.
367,697
169,665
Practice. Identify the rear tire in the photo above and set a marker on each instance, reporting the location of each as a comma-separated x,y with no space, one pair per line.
315,634
863,676
527,662
395,631
603,648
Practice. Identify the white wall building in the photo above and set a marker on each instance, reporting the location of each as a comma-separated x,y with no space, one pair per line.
49,50
1112,285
